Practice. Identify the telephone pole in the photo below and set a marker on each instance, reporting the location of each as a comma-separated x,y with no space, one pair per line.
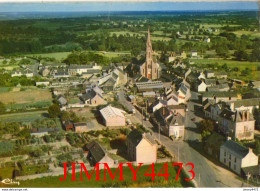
159,128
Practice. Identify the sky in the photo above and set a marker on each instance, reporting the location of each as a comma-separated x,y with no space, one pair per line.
127,6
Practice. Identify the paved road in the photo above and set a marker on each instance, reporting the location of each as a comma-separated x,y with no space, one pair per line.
207,174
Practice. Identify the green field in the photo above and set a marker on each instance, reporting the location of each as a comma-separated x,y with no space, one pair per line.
241,65
142,181
24,116
56,55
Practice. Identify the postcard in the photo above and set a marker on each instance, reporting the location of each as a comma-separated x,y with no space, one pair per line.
129,94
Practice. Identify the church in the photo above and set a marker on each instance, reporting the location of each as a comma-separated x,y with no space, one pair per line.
149,69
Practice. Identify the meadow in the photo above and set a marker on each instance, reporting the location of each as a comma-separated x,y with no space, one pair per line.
24,116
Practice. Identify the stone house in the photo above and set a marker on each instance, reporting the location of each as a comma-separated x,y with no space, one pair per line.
93,98
141,147
236,156
237,124
170,123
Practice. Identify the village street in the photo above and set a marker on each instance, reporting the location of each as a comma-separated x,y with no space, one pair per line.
207,174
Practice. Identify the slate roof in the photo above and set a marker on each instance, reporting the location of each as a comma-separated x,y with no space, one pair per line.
219,94
74,66
236,148
136,136
246,102
236,116
150,85
97,152
89,95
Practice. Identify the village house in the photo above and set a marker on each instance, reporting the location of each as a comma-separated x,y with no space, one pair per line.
207,40
96,154
221,88
245,104
62,100
202,76
170,123
39,132
220,96
68,125
113,117
80,127
254,84
184,92
44,71
238,124
210,74
26,72
46,83
236,156
220,75
194,53
202,87
141,147
93,98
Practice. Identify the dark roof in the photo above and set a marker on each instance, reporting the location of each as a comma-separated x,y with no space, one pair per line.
181,106
246,102
91,72
136,136
219,94
89,95
80,124
236,148
97,152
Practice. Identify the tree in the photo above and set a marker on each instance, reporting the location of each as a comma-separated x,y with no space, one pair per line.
240,55
54,111
257,147
206,125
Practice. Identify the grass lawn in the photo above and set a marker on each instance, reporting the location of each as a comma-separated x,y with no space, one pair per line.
254,34
142,181
24,116
6,172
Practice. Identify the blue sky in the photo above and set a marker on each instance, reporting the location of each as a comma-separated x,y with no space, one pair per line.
126,6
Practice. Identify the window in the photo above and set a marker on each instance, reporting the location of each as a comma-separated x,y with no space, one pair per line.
225,153
224,160
230,156
234,167
235,160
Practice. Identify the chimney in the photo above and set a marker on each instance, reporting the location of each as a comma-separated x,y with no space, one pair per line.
228,138
247,115
250,150
232,106
243,115
163,111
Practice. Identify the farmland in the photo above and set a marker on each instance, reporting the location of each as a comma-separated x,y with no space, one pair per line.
24,116
17,98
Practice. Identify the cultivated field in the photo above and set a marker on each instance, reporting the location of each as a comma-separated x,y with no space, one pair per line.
16,98
23,117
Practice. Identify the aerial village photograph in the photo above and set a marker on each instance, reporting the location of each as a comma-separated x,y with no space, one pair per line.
162,94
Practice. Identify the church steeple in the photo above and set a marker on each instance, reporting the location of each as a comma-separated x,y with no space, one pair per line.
149,49
149,69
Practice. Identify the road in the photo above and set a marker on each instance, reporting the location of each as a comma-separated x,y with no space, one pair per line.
207,174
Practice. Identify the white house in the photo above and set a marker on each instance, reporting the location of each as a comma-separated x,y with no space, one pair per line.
202,87
236,157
